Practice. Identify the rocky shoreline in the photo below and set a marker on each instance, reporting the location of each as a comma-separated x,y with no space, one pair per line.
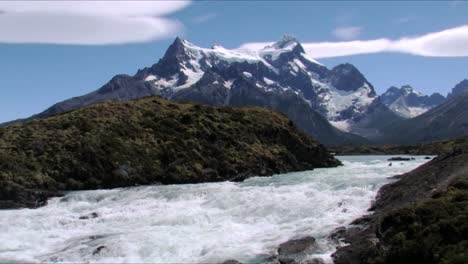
148,141
421,218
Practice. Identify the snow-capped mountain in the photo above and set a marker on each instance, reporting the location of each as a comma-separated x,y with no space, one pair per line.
281,76
448,120
408,103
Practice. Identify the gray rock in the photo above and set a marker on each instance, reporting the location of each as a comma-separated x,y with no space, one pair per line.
297,246
313,261
232,261
89,216
286,260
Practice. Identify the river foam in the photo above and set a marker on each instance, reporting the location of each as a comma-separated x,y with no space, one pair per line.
196,223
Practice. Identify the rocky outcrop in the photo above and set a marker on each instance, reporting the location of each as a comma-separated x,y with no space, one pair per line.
421,218
148,141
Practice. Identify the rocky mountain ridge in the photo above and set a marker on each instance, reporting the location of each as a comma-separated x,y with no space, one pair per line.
408,103
446,121
281,76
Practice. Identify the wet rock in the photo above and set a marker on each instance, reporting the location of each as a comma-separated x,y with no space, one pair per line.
313,261
286,260
338,234
295,251
89,216
428,158
232,261
96,237
297,246
363,220
399,159
99,249
271,260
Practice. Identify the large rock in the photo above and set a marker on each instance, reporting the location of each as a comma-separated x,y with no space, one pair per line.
297,250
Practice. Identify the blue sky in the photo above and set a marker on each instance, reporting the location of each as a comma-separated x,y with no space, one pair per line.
35,76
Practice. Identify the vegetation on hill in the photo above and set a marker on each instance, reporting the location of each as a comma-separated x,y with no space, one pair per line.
434,148
148,141
433,231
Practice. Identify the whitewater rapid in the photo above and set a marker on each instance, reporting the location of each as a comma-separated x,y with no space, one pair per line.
196,223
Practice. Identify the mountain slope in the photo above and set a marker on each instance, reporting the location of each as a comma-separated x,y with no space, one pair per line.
282,72
148,141
408,103
459,89
448,120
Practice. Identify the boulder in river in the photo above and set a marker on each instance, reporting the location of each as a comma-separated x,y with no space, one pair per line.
296,250
399,159
232,261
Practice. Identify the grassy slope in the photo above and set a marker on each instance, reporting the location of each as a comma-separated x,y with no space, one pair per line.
148,141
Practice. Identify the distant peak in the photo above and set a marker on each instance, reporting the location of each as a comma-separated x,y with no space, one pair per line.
285,41
345,68
177,50
180,42
408,89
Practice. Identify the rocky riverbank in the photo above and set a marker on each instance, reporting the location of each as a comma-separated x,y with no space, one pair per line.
421,218
148,141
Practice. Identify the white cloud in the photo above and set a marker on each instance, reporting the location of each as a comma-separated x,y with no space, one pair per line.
347,33
346,48
447,43
203,18
87,22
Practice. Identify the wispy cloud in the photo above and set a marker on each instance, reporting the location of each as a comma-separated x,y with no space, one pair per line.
447,43
203,18
347,33
87,22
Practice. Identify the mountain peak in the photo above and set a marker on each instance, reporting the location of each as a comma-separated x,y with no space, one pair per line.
459,89
408,89
346,77
285,41
408,103
176,48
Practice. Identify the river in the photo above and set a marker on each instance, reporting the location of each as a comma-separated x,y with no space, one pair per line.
195,223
